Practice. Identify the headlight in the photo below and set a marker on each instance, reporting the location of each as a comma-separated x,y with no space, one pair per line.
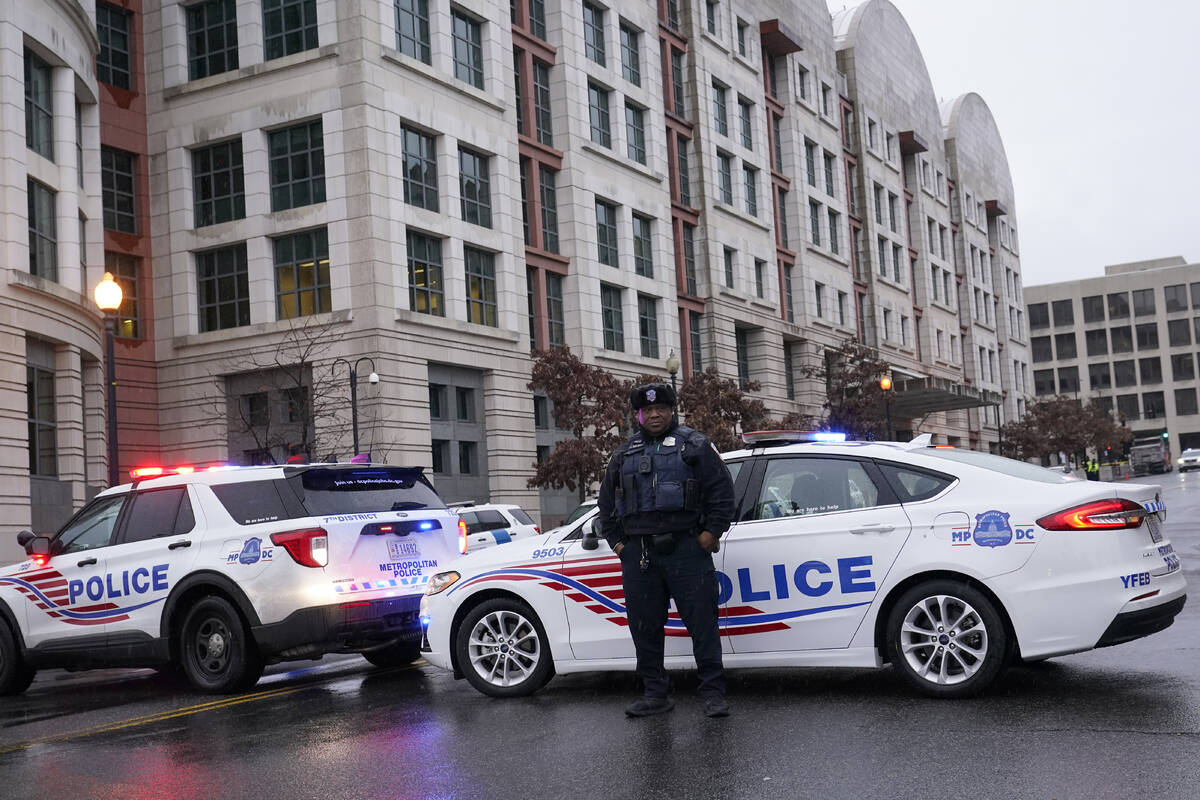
441,582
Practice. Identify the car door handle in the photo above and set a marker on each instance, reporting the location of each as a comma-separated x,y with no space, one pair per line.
87,562
176,545
880,528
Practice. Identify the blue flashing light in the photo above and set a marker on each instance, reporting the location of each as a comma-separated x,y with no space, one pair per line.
828,436
425,620
427,525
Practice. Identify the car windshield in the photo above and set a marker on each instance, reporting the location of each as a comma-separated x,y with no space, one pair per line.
579,511
1005,466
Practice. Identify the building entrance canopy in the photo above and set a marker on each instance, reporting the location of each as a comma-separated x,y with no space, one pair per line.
916,397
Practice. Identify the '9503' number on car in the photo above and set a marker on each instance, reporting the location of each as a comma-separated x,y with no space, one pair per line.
549,552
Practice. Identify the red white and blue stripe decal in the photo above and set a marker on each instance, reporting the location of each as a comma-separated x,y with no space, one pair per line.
47,589
596,583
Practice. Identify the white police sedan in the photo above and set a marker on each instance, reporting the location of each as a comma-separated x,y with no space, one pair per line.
945,563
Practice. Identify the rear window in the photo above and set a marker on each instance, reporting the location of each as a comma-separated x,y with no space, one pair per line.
520,516
480,521
911,483
1005,466
321,492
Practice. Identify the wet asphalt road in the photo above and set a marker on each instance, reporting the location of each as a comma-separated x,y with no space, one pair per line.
1122,722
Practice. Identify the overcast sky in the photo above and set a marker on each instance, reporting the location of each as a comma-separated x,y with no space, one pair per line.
1098,104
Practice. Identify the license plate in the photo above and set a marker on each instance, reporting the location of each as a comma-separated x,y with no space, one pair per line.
1154,527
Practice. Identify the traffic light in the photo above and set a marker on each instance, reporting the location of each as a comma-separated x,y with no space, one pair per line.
1166,435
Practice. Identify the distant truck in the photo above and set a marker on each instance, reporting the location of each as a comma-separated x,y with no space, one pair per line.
1150,456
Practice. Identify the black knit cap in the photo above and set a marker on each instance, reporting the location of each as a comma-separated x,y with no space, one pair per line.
652,394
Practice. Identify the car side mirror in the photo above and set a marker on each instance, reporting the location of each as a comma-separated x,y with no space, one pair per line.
38,546
23,537
591,536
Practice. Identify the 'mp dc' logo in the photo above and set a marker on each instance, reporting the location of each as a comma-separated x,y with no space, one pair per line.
992,529
251,551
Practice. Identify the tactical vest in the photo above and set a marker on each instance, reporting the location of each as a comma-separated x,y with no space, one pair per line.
656,490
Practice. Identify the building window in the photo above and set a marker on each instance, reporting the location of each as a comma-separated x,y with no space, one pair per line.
1185,402
1097,342
224,288
1040,349
537,18
729,256
1043,382
843,299
549,196
720,113
302,274
1124,373
710,17
643,253
437,401
610,312
1175,297
685,171
742,342
606,233
1154,405
835,244
896,260
1039,316
631,64
814,222
1064,346
1122,339
789,305
810,166
466,458
468,49
218,188
1068,380
412,29
426,288
725,178
289,26
819,297
1099,376
689,257
420,169
43,231
1093,309
481,287
1143,302
1127,407
635,133
598,115
777,141
475,187
1147,336
1183,367
1150,369
830,164
297,164
1064,312
593,33
542,119
124,270
760,268
782,217
212,34
893,201
680,107
116,177
43,423
741,38
696,341
113,61
554,309
1118,306
1179,332
750,181
441,455
648,325
746,123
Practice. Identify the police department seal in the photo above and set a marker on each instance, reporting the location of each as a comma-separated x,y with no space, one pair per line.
992,529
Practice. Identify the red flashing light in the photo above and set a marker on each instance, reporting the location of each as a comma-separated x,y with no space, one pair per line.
1098,515
385,528
308,547
185,470
146,472
40,560
462,536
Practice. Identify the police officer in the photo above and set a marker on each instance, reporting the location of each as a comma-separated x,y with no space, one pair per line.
1093,469
665,501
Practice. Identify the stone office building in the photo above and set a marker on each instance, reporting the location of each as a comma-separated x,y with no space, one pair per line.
296,191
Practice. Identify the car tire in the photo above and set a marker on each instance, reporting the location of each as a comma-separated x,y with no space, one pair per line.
502,649
215,649
946,639
397,654
15,674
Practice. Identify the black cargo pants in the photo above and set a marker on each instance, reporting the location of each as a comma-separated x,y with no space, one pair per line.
688,575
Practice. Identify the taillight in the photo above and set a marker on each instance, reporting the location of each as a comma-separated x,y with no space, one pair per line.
308,548
462,536
1100,515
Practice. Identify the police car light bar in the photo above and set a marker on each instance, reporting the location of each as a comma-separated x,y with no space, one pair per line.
790,437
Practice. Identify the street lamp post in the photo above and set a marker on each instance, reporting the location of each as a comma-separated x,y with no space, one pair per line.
672,367
885,383
108,299
373,378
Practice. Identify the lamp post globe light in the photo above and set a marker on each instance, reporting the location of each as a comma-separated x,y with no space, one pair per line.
885,383
108,297
372,379
672,365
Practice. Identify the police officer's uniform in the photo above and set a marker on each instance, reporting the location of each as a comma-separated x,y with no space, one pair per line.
658,494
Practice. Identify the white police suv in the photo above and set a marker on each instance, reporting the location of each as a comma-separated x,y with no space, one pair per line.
946,563
223,571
